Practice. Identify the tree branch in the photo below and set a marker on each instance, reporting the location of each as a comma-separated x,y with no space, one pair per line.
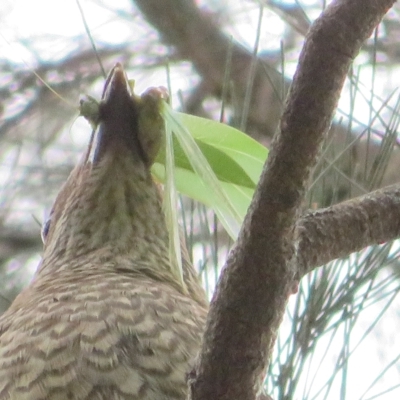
196,37
344,228
252,292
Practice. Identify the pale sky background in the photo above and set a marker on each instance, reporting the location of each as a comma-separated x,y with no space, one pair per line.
39,29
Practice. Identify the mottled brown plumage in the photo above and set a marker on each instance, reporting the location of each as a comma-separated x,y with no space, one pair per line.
105,316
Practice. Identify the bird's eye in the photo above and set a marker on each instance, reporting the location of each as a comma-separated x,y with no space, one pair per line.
45,229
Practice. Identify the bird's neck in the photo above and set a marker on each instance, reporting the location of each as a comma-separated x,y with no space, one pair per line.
113,221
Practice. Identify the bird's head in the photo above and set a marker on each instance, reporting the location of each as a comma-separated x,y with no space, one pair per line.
109,209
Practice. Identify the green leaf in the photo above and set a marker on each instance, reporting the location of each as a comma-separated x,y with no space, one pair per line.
215,164
244,150
171,209
224,166
191,185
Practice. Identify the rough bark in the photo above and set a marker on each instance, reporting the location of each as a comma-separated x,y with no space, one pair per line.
337,231
256,281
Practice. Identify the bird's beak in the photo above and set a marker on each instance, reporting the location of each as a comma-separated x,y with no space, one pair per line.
118,118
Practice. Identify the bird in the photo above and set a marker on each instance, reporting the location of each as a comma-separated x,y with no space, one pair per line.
106,315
